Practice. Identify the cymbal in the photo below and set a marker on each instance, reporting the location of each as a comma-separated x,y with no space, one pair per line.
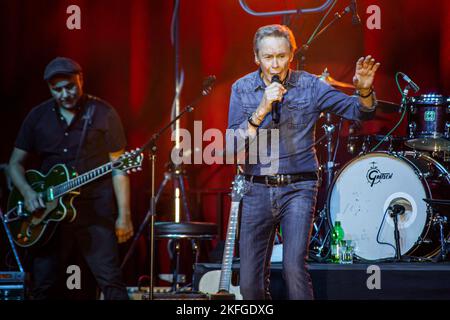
387,106
325,76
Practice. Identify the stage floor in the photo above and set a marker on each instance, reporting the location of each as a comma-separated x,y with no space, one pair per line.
362,281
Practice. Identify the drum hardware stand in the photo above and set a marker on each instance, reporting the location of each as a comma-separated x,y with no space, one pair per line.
441,221
436,206
317,227
329,128
316,237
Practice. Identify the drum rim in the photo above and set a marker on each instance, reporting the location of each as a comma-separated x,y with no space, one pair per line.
423,180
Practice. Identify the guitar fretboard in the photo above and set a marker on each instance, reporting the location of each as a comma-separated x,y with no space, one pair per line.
81,180
228,252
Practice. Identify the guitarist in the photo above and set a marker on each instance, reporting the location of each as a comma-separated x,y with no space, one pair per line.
83,132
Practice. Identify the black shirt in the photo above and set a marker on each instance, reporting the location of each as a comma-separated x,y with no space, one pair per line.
46,133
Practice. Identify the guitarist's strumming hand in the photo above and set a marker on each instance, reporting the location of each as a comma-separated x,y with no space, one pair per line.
16,170
121,183
33,201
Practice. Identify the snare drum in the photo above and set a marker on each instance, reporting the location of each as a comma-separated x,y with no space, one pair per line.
429,123
368,185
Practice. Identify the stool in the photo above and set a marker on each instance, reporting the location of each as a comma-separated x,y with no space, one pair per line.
194,231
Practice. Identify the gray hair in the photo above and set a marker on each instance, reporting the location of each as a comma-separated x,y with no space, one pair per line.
274,30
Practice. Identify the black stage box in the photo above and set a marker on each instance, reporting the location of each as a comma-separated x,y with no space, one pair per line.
388,281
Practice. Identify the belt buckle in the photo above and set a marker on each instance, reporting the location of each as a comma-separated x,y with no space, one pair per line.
270,182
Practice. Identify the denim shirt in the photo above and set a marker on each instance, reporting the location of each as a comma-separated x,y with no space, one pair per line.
306,98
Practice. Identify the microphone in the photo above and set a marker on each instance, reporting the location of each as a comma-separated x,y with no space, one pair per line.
398,209
414,86
276,104
354,9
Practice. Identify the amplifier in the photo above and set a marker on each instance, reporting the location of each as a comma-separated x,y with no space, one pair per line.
163,293
13,285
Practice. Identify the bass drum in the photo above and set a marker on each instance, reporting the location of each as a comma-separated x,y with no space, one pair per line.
368,185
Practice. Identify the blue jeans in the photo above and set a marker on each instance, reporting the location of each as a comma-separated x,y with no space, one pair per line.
263,208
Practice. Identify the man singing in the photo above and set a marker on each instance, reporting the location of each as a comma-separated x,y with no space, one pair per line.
287,195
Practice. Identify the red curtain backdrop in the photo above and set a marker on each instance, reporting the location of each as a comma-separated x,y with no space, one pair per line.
128,60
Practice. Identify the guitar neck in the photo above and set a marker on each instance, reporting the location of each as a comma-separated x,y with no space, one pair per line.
228,252
81,180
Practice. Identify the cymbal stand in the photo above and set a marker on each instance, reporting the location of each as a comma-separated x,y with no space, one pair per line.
321,220
329,128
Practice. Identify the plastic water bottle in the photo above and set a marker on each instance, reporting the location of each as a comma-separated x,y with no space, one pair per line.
337,238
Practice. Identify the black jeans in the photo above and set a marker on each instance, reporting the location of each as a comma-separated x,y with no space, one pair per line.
95,238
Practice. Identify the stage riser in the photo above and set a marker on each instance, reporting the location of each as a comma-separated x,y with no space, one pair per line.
349,282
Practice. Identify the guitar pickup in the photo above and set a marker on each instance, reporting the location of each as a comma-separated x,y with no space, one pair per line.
50,195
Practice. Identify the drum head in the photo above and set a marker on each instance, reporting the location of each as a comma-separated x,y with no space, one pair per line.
360,196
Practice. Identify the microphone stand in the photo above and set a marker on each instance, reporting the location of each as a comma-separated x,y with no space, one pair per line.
11,242
403,104
395,212
301,54
152,148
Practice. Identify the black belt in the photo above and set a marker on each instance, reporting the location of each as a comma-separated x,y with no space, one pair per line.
282,179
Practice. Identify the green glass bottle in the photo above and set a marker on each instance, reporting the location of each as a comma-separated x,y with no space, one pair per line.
337,237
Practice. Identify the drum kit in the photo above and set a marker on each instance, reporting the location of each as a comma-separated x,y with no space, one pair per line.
386,199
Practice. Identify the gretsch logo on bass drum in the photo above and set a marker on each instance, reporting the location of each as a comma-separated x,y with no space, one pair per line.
374,175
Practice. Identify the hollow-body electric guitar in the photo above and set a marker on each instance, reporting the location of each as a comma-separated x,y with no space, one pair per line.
57,188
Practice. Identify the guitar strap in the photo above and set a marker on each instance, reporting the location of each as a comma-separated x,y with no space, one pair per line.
87,120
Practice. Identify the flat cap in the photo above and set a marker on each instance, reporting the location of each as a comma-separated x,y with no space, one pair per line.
61,65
